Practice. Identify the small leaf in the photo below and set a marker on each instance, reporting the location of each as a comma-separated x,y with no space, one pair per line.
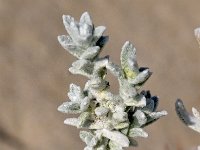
75,94
72,122
152,117
137,132
85,18
67,43
128,60
70,107
157,115
116,137
84,119
88,138
139,118
85,104
71,26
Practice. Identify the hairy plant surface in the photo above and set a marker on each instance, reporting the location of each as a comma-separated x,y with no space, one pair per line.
113,120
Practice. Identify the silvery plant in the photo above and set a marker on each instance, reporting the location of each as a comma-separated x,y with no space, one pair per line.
109,121
192,121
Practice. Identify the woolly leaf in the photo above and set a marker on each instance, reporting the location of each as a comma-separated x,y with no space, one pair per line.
137,132
72,122
71,26
85,104
84,119
152,117
81,33
139,118
88,138
70,107
67,43
86,19
128,60
116,137
75,93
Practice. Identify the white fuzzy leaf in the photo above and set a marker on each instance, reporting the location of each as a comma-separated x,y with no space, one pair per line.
75,94
67,43
70,107
86,19
137,132
139,118
88,138
116,137
72,122
128,60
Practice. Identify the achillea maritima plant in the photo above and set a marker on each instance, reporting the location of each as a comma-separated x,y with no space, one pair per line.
114,121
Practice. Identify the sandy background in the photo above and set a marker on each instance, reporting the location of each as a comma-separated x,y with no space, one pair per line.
34,79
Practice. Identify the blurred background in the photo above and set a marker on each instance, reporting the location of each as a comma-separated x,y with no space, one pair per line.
34,77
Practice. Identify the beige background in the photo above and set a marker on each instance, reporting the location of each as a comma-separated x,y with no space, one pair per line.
33,67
